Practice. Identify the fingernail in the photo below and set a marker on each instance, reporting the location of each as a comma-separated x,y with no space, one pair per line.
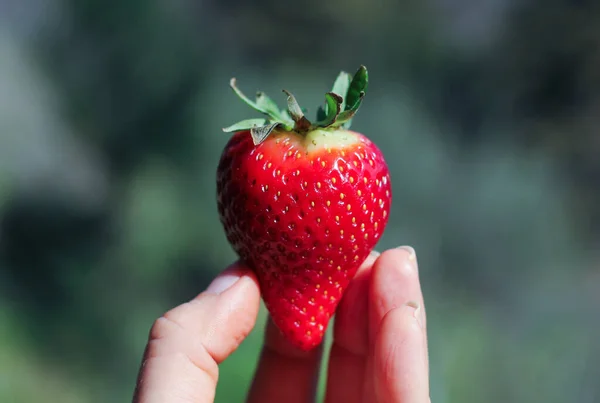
416,308
412,255
224,281
374,253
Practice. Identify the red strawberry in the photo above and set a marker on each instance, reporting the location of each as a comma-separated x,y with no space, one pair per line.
303,204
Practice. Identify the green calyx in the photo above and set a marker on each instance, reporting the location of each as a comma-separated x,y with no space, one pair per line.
341,104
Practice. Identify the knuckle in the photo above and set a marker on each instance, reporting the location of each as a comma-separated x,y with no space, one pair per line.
164,327
170,340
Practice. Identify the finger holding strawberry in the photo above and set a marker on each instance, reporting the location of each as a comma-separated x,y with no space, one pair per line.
303,204
379,350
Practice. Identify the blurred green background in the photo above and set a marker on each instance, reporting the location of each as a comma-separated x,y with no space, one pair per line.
110,132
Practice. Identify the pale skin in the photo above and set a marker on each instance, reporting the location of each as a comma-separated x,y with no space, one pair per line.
379,351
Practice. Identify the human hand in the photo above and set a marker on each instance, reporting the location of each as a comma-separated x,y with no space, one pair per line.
379,351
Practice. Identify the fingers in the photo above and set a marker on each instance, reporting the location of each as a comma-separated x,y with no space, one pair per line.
394,328
349,351
187,343
400,368
395,282
284,373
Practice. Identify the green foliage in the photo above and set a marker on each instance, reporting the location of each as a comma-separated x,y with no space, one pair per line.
338,111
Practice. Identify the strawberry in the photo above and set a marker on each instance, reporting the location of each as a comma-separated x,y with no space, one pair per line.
303,204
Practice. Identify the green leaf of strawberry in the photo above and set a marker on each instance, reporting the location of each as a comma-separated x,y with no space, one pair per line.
267,104
263,104
333,107
356,92
303,204
245,125
357,89
341,86
341,104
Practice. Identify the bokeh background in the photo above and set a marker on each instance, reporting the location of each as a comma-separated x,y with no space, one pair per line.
110,132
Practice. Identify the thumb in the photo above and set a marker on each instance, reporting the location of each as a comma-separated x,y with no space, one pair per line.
187,343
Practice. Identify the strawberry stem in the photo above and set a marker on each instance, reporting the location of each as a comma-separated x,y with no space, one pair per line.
341,104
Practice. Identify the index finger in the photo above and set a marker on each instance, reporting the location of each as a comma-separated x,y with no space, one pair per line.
188,342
